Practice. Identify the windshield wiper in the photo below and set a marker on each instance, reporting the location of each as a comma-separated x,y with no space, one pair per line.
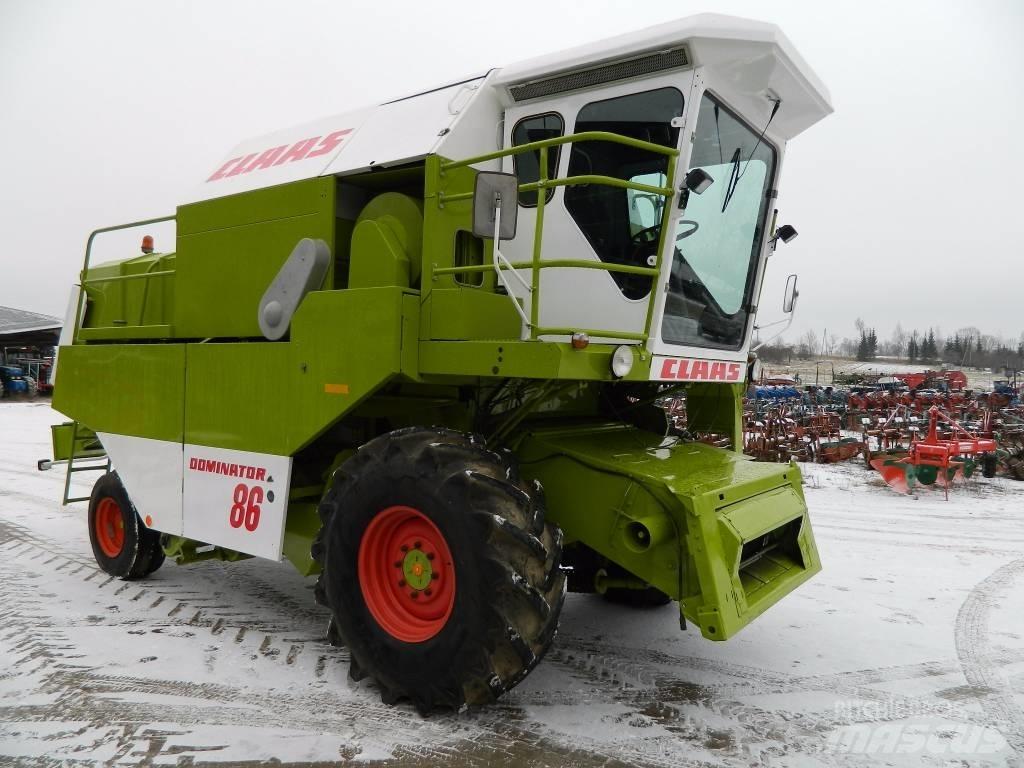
735,175
734,178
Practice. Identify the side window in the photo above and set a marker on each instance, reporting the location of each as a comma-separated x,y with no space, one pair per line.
645,209
527,164
622,225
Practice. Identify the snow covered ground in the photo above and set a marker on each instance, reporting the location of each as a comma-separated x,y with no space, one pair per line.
907,650
977,378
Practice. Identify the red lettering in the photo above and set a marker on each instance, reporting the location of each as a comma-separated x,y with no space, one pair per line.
329,142
261,473
240,167
734,371
237,514
684,370
245,507
266,159
700,370
193,462
252,510
300,150
297,151
222,171
718,371
668,368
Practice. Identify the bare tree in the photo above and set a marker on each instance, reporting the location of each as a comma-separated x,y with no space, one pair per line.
831,345
898,344
807,344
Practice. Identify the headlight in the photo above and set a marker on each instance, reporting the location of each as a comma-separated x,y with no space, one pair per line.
622,361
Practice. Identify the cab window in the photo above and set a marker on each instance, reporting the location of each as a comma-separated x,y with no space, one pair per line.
527,164
620,224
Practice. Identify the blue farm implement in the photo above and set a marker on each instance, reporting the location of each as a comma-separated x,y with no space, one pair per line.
14,381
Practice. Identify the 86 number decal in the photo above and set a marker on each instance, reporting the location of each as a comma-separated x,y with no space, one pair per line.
246,507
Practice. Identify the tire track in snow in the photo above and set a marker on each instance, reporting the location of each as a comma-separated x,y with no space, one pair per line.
976,659
86,694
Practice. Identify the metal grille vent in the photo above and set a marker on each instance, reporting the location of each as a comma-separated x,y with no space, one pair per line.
607,73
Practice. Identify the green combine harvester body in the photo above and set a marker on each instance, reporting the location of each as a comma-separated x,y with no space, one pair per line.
337,307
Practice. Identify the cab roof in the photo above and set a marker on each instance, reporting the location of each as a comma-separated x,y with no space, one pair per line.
754,58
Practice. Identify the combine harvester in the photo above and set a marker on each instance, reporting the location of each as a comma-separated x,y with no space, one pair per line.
415,349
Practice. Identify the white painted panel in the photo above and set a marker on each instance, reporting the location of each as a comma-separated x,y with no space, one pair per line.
300,152
751,56
404,130
477,129
236,499
151,473
67,330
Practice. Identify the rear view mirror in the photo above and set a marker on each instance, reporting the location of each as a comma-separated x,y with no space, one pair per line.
697,180
495,202
785,233
791,295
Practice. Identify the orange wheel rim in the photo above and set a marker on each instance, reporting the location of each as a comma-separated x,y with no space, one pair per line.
406,574
109,525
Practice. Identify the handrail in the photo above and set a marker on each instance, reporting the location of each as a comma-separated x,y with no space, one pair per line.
626,269
544,183
572,138
570,181
136,276
88,257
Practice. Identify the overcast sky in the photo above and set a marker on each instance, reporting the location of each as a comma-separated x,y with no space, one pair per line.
907,199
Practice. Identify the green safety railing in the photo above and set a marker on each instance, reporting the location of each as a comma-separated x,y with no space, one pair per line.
147,275
541,186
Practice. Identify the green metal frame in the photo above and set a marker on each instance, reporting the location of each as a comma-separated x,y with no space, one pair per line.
78,448
98,333
537,264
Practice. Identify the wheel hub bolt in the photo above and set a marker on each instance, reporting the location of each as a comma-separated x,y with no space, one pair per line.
430,555
414,595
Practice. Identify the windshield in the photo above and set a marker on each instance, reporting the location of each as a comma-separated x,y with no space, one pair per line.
719,237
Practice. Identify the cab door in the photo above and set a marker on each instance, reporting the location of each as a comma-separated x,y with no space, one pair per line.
596,222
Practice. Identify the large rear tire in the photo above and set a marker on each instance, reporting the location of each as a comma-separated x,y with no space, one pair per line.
122,545
440,572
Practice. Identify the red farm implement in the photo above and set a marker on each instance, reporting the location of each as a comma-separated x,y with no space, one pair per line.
935,459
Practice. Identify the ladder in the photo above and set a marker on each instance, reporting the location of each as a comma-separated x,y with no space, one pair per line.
84,446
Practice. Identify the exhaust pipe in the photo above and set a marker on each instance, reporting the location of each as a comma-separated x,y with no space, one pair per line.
644,533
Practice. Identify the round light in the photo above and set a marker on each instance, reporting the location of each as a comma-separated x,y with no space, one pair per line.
580,341
622,361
